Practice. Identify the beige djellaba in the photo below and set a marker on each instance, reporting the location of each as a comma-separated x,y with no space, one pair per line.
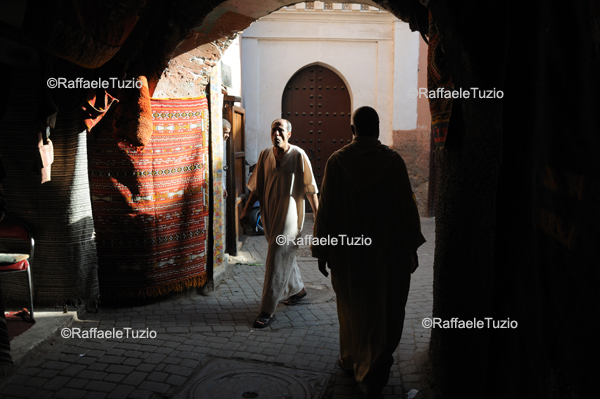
281,190
367,204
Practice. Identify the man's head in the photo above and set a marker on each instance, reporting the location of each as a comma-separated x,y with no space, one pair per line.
365,122
281,130
226,129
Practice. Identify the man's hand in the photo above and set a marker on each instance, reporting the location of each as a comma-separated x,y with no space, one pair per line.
415,261
246,212
323,267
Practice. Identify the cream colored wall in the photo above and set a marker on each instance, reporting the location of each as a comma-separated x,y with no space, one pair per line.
373,52
232,58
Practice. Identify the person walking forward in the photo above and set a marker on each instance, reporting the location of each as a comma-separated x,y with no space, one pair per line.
281,179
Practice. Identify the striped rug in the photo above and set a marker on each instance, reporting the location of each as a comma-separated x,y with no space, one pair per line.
58,212
151,205
5,358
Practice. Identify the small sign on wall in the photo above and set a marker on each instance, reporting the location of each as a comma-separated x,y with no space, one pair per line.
226,75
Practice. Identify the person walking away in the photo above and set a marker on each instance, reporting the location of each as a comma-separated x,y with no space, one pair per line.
367,204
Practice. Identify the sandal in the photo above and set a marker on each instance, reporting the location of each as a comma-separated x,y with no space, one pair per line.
263,320
294,299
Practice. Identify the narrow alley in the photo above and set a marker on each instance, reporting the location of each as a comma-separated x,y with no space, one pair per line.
205,346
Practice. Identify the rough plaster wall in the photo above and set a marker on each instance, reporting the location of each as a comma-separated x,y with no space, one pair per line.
189,68
413,146
188,74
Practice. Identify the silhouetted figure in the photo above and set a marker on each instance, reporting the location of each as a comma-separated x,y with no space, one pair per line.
367,204
282,177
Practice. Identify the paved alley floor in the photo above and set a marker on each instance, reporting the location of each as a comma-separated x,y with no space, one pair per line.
180,338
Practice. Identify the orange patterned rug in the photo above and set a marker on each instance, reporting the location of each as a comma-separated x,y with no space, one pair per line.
151,205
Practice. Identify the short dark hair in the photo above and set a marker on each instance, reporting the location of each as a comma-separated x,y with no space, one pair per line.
289,124
366,122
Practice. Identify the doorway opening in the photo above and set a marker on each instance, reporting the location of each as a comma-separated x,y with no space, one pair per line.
317,103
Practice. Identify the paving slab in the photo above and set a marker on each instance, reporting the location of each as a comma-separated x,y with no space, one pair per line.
187,334
47,324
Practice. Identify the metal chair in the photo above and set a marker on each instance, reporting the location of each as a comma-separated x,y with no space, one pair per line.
11,229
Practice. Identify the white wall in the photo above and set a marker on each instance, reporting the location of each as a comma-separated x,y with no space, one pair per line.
374,53
406,68
233,58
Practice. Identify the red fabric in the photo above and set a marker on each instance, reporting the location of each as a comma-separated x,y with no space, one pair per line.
438,76
150,205
10,228
22,265
95,106
133,114
16,323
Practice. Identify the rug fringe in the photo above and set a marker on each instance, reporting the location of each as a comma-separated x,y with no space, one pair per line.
179,286
157,290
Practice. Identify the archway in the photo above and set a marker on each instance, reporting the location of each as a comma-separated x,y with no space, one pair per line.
512,180
317,103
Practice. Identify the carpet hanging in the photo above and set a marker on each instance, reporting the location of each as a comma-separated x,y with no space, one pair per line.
58,212
438,77
6,362
151,205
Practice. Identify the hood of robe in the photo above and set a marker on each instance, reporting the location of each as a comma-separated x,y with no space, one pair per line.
366,161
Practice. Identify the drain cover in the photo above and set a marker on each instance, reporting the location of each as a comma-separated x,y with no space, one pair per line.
229,379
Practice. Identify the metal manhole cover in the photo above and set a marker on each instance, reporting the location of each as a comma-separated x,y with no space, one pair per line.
228,379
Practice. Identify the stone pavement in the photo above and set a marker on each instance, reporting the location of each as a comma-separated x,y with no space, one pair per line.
193,331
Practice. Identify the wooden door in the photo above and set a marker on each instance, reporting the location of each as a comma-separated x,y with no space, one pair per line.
317,103
236,173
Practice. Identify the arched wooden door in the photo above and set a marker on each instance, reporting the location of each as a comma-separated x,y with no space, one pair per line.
317,103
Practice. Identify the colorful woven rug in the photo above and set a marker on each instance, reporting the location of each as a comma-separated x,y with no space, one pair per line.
438,76
58,212
5,359
151,205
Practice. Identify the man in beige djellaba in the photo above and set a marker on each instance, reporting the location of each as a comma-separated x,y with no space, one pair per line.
367,204
281,179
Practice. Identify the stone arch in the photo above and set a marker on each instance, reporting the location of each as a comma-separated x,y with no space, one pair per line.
207,40
232,16
492,178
